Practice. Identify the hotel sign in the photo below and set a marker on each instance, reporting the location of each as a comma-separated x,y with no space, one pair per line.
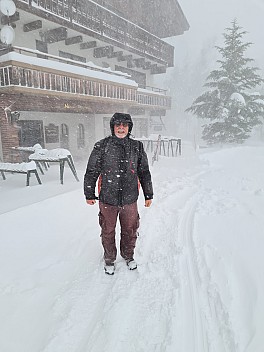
52,133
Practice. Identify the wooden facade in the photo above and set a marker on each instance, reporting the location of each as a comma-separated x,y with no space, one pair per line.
73,64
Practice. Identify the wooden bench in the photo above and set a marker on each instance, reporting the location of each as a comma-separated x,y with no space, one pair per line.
20,168
58,155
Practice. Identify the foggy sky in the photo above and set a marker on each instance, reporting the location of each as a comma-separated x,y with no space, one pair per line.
195,54
209,18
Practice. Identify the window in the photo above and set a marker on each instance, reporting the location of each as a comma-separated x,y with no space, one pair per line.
80,136
64,136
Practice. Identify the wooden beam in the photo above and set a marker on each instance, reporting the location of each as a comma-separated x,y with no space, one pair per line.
131,63
128,57
42,46
74,40
31,26
121,58
139,62
55,35
15,17
103,51
72,56
115,54
147,65
88,45
155,69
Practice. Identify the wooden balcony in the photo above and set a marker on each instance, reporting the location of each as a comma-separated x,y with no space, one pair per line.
25,78
147,98
95,20
22,77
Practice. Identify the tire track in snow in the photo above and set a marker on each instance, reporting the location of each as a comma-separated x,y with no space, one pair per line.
191,312
202,308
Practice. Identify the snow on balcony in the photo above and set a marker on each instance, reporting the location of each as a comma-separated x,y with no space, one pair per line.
66,65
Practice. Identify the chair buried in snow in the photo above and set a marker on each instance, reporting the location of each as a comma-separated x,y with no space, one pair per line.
20,168
42,157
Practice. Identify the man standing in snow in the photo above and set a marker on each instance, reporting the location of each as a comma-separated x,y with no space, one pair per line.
120,163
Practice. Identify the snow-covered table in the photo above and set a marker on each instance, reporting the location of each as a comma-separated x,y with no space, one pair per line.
54,155
24,152
20,168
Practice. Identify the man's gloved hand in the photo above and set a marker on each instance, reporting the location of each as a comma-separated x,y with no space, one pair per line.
148,203
90,201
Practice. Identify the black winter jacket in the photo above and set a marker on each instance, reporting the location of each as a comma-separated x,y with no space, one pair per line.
121,162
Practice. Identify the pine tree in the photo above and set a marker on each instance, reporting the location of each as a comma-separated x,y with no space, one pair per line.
231,105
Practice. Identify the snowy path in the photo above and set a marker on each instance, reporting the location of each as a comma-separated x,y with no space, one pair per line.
201,305
196,288
158,307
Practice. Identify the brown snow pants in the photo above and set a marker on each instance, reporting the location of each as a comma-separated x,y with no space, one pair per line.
129,223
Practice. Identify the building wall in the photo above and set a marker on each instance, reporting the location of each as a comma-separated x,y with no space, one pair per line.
9,136
96,127
1,149
72,121
52,109
28,40
163,18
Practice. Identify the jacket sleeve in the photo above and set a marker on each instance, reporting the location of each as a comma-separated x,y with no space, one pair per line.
93,171
144,173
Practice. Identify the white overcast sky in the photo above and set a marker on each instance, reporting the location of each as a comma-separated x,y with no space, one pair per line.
209,18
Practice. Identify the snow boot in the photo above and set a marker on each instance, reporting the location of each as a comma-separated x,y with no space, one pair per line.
131,264
109,269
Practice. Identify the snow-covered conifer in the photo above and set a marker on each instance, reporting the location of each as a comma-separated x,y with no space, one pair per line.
231,105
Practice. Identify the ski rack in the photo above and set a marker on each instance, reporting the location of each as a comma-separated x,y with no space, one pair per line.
162,145
156,154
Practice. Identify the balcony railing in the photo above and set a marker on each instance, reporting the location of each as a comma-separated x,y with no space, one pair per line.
161,101
107,25
48,81
29,78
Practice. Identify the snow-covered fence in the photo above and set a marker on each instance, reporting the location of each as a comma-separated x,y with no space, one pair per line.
162,145
20,168
156,154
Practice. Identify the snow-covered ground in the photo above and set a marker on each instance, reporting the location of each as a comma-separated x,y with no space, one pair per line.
199,284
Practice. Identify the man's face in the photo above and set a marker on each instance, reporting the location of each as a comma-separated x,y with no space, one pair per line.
121,129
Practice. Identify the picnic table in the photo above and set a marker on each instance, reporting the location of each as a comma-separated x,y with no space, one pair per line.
57,155
23,152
